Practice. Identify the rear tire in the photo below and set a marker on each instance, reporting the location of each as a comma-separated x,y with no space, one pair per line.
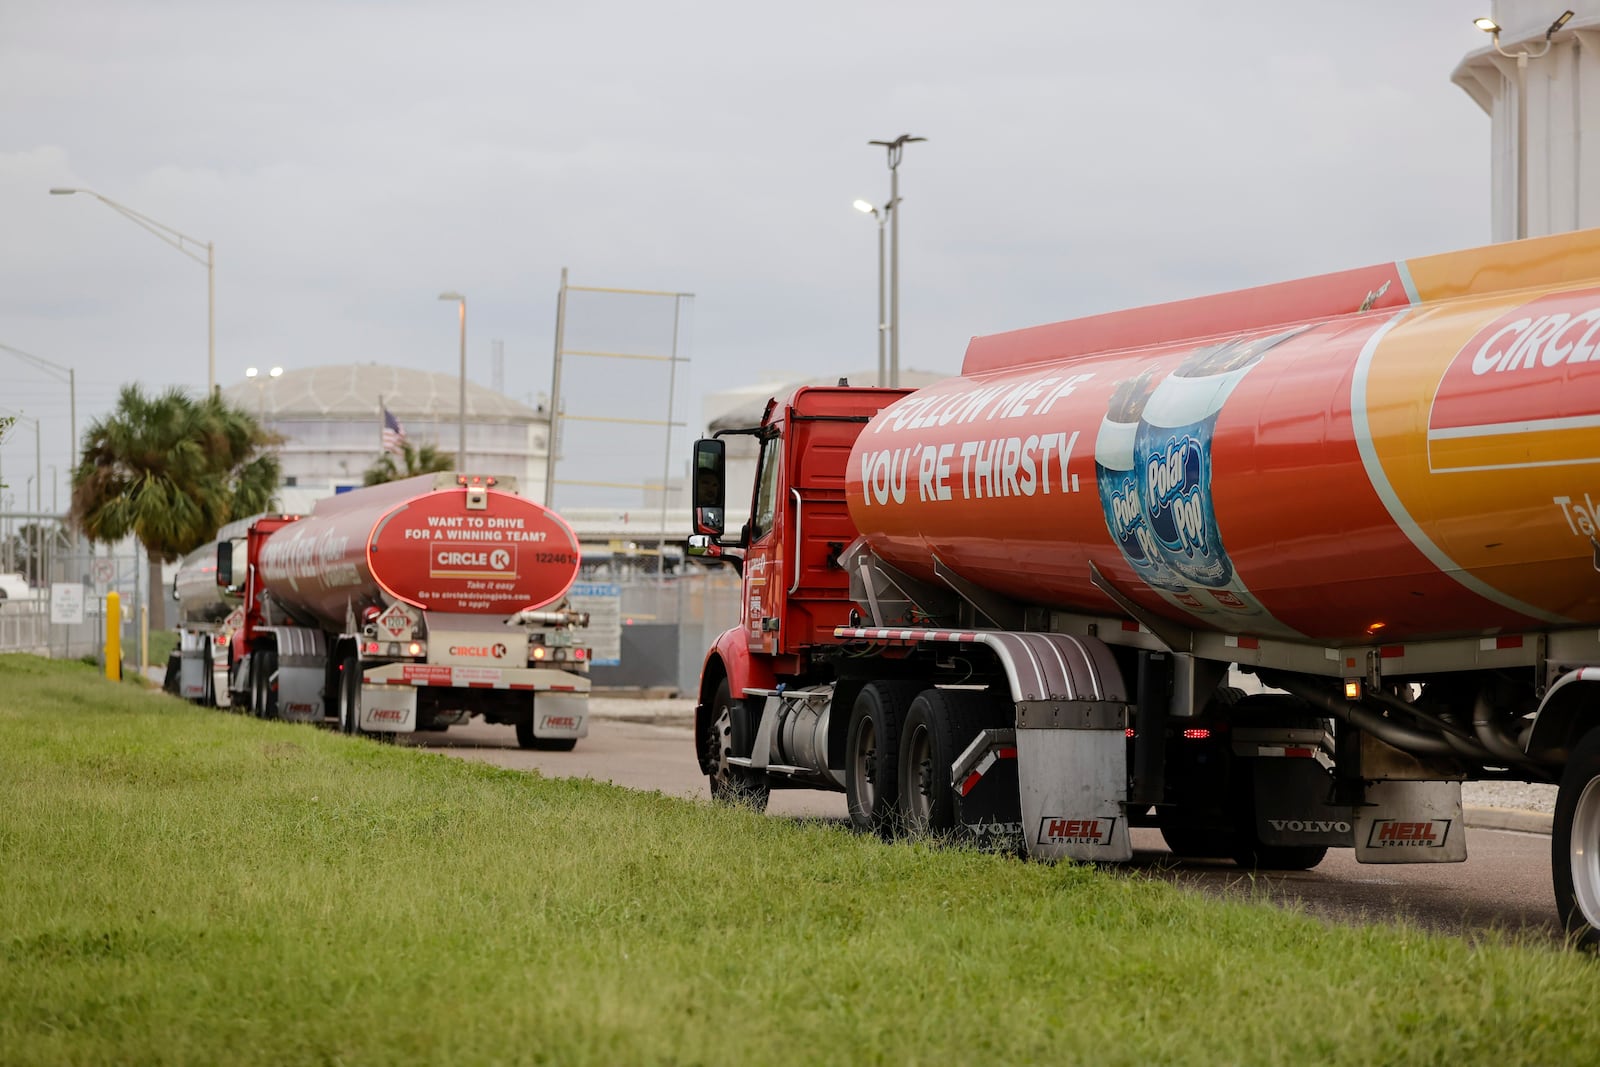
169,681
267,701
872,755
1575,844
938,726
350,696
730,732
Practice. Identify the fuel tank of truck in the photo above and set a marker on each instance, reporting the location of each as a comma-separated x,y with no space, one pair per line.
1426,463
444,543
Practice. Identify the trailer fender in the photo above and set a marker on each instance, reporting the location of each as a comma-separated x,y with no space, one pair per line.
1569,709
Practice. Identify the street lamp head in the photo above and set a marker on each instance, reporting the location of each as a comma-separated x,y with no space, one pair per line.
1487,25
1561,20
866,208
275,372
64,192
250,372
452,296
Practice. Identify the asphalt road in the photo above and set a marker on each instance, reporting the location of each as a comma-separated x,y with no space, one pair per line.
1503,886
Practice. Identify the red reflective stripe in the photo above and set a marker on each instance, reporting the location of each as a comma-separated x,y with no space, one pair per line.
1302,753
1009,752
972,780
1508,642
1249,642
1130,625
1392,651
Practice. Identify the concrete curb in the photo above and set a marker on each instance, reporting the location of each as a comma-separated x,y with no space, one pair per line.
1527,822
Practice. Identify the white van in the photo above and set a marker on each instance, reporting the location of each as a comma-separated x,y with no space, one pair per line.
15,587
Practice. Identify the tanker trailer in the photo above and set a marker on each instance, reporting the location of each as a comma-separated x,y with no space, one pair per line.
414,605
1271,571
208,614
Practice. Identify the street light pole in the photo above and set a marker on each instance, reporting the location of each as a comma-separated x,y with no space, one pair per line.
882,217
185,244
461,449
895,148
71,378
1522,55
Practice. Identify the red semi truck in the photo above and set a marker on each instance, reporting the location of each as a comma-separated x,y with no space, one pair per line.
1022,602
406,606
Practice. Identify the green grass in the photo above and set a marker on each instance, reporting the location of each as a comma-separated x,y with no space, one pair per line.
187,886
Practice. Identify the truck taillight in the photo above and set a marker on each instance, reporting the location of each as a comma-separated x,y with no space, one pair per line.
371,648
580,653
538,652
1196,734
414,648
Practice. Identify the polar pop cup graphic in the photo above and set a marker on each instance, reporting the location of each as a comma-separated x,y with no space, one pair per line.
1172,451
1118,477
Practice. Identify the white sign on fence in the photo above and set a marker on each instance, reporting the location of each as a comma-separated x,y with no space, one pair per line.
66,603
603,602
104,570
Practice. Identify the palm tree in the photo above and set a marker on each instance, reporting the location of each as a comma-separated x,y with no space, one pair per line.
423,459
170,470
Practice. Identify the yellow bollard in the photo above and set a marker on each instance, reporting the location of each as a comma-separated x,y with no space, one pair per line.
114,636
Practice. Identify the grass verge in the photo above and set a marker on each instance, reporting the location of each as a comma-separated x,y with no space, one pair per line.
194,887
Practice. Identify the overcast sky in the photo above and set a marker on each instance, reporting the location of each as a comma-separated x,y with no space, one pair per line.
351,160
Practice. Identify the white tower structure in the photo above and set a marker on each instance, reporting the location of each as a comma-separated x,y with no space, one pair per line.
1539,81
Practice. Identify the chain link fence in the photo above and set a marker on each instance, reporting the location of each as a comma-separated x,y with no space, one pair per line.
668,624
37,554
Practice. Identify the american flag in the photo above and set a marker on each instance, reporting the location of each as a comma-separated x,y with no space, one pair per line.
394,435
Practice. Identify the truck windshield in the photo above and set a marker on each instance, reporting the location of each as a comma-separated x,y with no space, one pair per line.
766,488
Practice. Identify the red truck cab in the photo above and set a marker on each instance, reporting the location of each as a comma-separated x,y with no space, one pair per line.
794,590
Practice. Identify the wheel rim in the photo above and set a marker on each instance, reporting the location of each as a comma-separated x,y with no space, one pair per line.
1584,849
865,768
719,745
919,795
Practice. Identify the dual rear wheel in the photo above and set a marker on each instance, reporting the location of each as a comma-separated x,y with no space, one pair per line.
901,744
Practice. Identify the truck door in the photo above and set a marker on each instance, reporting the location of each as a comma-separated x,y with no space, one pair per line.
763,564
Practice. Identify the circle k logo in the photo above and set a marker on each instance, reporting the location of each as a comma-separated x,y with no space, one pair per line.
499,559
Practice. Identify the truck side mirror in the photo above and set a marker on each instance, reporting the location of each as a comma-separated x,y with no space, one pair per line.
224,563
710,467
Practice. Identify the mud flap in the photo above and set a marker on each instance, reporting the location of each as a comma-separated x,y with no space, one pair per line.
1073,784
985,783
1411,822
300,693
561,715
388,709
1291,805
192,672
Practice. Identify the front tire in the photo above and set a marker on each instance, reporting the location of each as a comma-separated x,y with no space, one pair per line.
1575,844
730,733
872,755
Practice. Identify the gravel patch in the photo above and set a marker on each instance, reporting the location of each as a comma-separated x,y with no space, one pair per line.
1518,796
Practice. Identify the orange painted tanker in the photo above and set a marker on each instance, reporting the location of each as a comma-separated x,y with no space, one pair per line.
1272,572
1425,464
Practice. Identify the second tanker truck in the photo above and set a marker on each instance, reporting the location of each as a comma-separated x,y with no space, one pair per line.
1013,603
406,606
